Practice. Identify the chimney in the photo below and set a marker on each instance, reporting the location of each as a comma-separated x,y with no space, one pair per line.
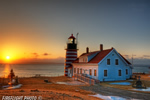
87,50
101,47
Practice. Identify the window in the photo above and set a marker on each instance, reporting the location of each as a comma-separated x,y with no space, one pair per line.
95,74
81,71
70,40
108,61
90,71
84,59
126,71
105,72
119,72
74,70
78,71
116,62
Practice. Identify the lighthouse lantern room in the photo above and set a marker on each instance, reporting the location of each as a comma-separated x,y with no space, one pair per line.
71,55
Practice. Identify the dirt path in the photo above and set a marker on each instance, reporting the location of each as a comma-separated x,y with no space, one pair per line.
109,91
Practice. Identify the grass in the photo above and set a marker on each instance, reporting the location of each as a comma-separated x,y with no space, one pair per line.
144,78
37,86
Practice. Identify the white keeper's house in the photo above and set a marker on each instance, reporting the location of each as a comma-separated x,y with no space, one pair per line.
103,65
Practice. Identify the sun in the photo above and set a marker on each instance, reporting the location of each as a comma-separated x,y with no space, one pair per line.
7,57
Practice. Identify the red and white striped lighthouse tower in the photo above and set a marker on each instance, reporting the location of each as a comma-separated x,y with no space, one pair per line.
71,55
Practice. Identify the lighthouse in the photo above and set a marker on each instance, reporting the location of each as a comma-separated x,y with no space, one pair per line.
71,55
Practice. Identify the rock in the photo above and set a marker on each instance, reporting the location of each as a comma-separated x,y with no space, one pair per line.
36,90
77,90
21,91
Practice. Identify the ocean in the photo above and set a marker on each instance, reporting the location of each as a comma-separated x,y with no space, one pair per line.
27,70
141,69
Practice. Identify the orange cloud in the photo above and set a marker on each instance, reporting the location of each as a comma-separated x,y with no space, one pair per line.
46,54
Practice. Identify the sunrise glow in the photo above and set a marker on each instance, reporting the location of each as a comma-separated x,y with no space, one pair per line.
7,57
41,37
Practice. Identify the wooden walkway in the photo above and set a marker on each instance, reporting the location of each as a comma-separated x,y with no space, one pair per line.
85,79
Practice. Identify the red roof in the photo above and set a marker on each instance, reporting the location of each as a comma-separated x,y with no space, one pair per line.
71,37
90,53
99,56
84,54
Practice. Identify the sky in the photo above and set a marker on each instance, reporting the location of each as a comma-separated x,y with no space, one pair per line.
39,29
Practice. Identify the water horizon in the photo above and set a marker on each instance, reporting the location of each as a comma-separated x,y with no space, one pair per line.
53,69
27,70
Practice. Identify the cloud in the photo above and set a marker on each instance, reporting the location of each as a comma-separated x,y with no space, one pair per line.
35,54
39,61
127,56
146,56
46,54
141,61
133,55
